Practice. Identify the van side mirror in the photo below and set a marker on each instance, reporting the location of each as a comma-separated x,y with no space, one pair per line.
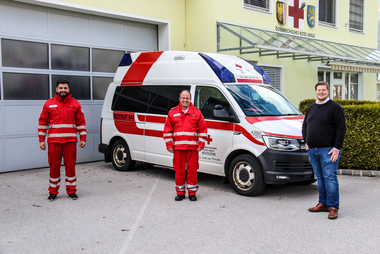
219,113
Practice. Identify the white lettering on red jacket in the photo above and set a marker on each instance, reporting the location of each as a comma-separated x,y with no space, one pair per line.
61,119
185,131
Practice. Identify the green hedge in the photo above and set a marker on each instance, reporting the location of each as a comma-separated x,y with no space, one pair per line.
362,143
306,103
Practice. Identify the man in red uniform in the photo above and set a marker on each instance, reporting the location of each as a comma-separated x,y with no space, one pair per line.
61,118
185,135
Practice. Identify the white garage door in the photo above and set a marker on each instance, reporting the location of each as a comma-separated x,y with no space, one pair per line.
40,45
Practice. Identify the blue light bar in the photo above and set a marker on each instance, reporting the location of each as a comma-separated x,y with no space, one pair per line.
222,72
126,60
260,70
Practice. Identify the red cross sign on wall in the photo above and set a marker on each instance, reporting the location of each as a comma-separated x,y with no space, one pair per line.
295,14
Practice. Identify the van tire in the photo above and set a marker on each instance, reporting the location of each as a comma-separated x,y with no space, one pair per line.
246,176
121,158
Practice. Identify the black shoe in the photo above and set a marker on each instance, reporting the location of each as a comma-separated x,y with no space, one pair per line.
179,197
193,198
51,197
73,196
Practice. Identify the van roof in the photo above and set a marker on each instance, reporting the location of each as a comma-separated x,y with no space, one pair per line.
186,67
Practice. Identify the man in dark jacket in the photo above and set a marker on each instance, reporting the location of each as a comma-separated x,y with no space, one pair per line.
323,130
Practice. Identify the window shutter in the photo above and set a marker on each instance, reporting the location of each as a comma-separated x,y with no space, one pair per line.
327,12
257,3
356,15
274,75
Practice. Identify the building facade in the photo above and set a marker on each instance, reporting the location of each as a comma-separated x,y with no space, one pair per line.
296,42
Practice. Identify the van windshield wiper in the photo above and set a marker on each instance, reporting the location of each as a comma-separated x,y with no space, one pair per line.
266,115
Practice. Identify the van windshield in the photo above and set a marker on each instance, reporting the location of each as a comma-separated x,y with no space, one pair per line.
257,100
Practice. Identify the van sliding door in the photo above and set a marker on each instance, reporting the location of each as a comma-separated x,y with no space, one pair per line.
220,133
161,99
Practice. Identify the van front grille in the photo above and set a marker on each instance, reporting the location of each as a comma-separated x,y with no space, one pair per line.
293,166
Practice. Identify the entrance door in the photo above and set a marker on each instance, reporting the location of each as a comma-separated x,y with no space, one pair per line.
337,86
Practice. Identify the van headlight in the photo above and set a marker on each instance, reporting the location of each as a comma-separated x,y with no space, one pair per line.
282,144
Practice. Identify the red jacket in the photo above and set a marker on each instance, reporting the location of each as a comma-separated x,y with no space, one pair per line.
185,131
61,119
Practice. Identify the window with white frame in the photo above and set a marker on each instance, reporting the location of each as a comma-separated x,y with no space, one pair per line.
257,4
351,86
327,9
274,74
356,15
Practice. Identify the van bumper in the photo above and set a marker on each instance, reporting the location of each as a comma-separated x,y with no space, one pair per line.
103,148
286,167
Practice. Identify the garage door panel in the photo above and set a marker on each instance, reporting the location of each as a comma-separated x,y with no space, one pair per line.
107,33
21,119
23,153
59,30
68,28
11,23
143,38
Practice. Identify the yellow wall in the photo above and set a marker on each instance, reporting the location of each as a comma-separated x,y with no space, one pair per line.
171,10
193,27
300,76
201,16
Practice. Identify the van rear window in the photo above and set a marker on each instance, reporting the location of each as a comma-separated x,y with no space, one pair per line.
147,99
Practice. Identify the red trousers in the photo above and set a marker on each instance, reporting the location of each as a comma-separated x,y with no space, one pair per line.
186,164
69,153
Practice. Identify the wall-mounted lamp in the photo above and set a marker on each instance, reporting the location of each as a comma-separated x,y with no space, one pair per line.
303,5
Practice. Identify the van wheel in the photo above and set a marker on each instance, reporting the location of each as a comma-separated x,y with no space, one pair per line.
121,158
246,176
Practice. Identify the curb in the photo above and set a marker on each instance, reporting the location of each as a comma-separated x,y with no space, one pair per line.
356,172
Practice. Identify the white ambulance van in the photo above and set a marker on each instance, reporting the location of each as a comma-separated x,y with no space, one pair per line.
254,132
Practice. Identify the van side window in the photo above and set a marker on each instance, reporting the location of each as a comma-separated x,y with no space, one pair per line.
163,98
147,99
131,99
207,97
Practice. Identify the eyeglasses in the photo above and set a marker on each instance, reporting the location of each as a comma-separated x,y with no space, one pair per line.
185,98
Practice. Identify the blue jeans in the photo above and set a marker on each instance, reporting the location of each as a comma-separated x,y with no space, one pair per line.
326,172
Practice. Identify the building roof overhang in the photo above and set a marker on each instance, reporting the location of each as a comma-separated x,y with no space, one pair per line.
339,56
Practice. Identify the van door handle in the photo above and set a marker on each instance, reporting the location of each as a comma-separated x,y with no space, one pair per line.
237,133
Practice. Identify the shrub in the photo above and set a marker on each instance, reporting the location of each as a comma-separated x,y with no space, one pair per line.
362,143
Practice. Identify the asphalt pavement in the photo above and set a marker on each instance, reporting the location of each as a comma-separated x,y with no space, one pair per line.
135,212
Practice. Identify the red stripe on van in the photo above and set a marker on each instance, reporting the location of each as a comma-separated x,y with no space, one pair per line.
125,122
282,136
233,127
155,119
257,81
139,68
220,126
253,120
154,133
248,135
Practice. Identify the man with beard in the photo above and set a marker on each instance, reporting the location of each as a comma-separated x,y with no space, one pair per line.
61,118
